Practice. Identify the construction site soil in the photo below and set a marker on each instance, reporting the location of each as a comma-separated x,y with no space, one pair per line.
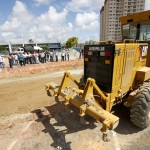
30,120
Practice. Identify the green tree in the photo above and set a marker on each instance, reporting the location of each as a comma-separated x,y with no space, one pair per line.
71,41
91,42
3,48
45,47
31,41
87,42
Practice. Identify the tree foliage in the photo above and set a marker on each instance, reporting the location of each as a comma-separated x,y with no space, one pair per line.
45,47
71,41
31,41
91,42
3,48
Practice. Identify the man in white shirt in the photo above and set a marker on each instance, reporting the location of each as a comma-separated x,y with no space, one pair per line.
56,56
63,55
51,56
42,57
16,59
1,62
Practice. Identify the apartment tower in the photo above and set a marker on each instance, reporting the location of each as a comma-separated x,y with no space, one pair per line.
110,27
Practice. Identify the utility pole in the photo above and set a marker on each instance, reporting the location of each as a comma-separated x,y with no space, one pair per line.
10,49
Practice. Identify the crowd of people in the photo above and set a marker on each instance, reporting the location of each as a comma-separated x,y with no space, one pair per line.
33,58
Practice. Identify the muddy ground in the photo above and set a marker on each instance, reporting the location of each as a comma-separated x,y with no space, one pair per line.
30,120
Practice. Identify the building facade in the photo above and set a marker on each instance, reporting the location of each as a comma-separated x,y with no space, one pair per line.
102,23
110,27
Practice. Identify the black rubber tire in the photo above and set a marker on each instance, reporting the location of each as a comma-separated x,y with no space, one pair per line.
140,109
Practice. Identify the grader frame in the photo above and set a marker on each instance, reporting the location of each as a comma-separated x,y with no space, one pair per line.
112,71
85,101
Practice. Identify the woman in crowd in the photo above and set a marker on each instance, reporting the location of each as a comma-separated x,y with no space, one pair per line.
11,60
1,62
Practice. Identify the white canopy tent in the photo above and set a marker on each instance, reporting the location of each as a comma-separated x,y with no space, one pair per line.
38,48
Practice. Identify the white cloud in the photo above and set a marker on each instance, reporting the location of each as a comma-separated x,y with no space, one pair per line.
22,25
147,5
19,17
17,24
51,24
10,34
42,2
82,5
87,20
84,38
21,12
52,16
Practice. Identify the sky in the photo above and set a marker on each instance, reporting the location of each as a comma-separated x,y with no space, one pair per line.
50,20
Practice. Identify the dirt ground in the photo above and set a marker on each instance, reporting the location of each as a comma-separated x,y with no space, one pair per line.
23,95
30,120
33,69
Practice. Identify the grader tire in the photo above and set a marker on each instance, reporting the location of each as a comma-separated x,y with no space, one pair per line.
140,109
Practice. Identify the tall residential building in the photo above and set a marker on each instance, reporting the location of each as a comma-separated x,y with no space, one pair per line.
110,27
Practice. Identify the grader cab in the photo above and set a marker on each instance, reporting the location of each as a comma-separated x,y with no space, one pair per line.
113,71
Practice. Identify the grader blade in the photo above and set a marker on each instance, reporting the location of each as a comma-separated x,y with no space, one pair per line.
85,101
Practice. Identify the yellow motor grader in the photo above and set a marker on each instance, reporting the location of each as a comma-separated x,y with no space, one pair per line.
113,73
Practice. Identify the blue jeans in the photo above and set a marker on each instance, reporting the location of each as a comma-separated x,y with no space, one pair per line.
11,63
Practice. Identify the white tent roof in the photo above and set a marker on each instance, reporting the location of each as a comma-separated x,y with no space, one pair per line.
37,48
